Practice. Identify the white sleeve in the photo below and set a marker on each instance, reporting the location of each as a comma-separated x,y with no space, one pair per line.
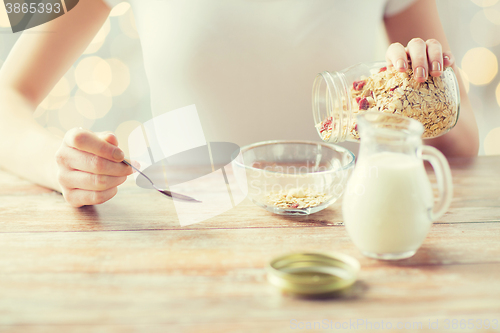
393,7
112,3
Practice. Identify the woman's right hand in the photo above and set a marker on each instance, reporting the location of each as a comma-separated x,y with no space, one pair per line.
89,167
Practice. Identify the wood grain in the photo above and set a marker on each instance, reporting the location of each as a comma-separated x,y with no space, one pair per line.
127,266
476,199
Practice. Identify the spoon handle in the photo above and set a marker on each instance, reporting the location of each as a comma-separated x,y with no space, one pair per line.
170,194
139,171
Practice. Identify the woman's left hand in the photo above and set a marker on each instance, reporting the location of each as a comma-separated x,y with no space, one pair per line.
426,57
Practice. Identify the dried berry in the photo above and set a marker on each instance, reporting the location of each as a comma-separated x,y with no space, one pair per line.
294,205
326,125
383,69
358,85
363,104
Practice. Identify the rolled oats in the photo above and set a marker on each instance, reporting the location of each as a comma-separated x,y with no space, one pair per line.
297,198
431,102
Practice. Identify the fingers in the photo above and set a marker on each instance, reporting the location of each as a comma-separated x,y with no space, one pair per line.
73,179
434,57
90,167
79,198
109,137
74,159
417,50
426,57
396,57
91,143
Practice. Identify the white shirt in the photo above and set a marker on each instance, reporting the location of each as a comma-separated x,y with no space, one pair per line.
249,65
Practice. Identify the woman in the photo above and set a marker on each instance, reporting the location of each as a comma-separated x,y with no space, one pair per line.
247,65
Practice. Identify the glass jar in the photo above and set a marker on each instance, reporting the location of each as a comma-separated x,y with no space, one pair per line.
338,97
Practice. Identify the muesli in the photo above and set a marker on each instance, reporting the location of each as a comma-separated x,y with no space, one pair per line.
430,102
297,198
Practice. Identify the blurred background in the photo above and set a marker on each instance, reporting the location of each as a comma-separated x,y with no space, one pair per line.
107,89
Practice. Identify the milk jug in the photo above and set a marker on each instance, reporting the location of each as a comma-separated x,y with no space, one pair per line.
389,206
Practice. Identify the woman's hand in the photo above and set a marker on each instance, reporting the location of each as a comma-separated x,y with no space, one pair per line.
425,56
89,167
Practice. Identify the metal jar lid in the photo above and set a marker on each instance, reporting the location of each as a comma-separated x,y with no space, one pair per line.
313,274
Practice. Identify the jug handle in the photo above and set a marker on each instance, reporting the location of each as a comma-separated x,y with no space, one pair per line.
443,178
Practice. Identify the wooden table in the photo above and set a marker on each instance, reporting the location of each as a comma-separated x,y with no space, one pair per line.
127,265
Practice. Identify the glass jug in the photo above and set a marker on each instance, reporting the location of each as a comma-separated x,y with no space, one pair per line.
388,205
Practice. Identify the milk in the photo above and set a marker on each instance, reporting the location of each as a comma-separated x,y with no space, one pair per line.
387,204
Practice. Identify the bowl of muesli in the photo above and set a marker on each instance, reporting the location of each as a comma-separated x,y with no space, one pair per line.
293,177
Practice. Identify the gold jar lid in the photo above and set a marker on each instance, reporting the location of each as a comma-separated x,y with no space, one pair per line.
313,274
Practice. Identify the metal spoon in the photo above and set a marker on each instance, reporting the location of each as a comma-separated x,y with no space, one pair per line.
171,195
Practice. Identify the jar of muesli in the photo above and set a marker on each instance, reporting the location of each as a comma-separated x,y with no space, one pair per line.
338,97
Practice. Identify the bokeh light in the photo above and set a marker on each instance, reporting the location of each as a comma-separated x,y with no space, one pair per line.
99,38
85,107
4,19
127,24
465,79
492,142
480,65
120,76
70,77
137,93
69,117
483,31
484,3
93,106
58,96
119,9
100,91
493,15
122,133
93,75
497,94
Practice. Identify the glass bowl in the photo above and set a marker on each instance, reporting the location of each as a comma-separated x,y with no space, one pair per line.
293,177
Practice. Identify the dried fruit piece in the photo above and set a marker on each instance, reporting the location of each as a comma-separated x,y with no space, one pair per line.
358,85
432,102
363,104
326,125
383,69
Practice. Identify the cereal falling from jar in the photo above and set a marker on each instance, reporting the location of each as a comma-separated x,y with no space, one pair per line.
431,102
297,198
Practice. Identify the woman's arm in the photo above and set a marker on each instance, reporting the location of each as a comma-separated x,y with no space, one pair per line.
419,27
33,67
